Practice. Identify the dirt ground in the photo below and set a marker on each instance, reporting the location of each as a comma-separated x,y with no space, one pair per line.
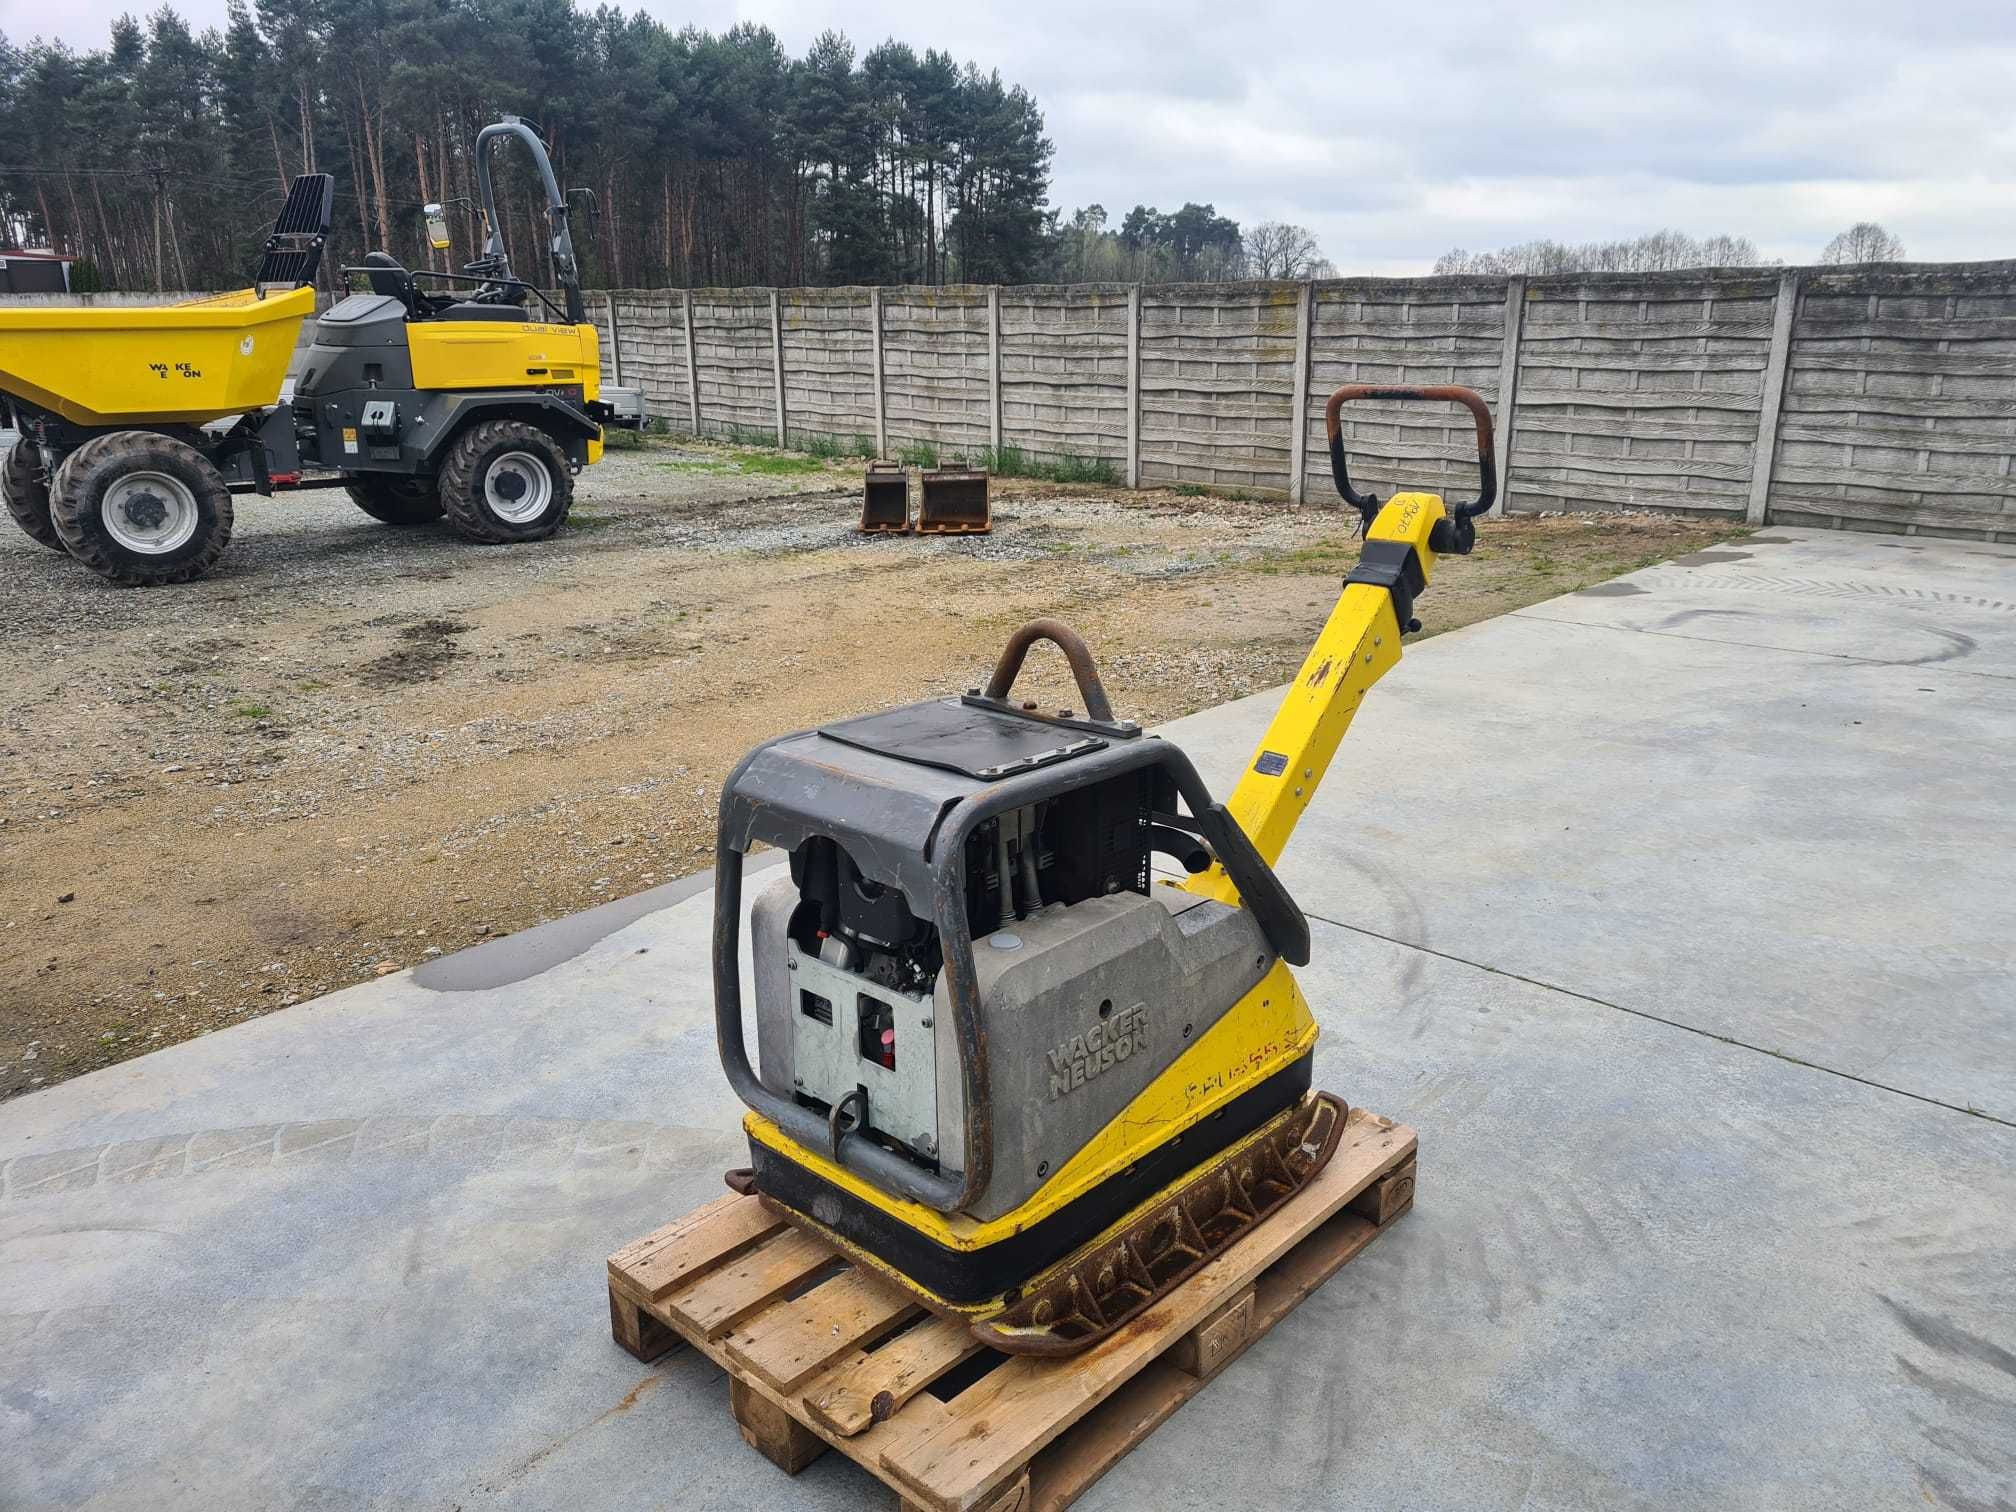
352,748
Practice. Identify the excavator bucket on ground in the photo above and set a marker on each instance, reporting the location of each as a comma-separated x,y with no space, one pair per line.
953,501
885,499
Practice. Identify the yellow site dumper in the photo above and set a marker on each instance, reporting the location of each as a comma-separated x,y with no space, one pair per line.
467,397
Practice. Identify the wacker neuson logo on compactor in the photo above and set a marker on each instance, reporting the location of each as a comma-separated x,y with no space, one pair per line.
1082,1057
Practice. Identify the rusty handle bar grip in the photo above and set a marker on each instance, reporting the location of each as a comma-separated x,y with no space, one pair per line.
1367,504
1076,652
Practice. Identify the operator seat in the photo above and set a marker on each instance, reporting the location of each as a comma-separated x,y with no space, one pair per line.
386,276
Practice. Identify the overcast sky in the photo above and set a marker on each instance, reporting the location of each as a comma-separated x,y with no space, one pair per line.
1399,130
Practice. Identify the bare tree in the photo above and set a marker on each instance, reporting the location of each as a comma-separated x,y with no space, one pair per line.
1275,249
1656,252
1863,242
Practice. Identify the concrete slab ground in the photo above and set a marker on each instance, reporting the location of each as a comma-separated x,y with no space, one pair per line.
1676,916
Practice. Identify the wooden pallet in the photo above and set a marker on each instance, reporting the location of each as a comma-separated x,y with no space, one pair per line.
823,1355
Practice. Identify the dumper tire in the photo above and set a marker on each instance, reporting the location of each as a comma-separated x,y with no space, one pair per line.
395,501
139,508
506,481
27,493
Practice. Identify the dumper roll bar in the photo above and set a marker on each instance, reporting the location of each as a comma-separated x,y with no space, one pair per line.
565,269
1367,504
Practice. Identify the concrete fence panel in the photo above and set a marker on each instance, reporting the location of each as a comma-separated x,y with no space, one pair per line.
1642,392
829,363
1900,404
1217,383
935,368
1064,370
732,345
651,328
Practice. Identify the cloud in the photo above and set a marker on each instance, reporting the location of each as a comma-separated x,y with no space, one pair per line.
1396,132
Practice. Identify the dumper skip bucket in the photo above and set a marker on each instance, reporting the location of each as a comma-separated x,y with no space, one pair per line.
953,501
885,499
152,364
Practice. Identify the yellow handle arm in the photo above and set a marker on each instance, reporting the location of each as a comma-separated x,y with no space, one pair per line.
1359,644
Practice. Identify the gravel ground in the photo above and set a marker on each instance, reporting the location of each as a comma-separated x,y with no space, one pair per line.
353,747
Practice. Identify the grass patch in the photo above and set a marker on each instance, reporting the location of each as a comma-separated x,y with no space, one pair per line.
615,438
777,464
250,710
767,464
830,448
1324,556
579,519
1007,461
837,448
918,454
1211,491
1073,469
1013,462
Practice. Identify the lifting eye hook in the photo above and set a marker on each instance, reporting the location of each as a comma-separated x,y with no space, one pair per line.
836,1130
1091,692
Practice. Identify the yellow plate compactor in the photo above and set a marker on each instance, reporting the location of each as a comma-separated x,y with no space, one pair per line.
1000,1063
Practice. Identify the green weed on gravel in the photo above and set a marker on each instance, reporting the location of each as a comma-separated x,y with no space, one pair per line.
1014,462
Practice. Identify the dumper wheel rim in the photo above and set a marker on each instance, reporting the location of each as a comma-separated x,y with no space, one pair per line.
26,493
140,508
152,513
506,481
518,486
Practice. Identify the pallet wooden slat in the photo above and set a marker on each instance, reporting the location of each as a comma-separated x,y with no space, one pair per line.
846,1364
726,1295
701,1240
790,1343
869,1388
